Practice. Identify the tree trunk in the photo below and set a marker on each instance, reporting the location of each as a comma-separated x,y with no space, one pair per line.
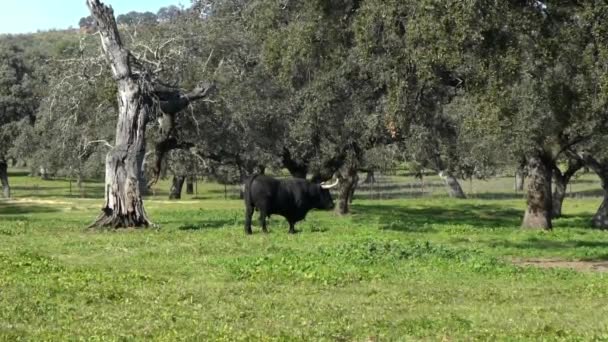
559,193
297,169
190,185
176,187
123,205
539,208
43,173
600,219
561,181
348,181
172,101
520,174
79,184
6,189
370,178
519,179
144,190
453,187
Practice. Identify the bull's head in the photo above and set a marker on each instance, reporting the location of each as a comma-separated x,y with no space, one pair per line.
325,200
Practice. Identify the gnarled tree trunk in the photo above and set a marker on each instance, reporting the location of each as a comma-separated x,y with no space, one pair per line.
176,187
346,189
539,208
123,205
452,185
561,181
6,189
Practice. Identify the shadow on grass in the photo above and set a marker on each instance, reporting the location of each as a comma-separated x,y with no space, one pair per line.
415,219
586,193
7,208
207,224
545,244
46,191
497,195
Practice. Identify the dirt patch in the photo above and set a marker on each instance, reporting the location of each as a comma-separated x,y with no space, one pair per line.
577,265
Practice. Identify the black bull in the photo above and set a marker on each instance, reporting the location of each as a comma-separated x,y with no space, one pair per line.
290,198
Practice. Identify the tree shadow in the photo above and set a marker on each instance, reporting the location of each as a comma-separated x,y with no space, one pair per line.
207,224
497,195
9,208
546,244
48,191
586,193
17,173
414,219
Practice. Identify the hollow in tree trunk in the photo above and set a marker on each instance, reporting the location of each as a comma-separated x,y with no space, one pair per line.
6,189
452,185
561,181
539,208
190,185
176,187
123,205
348,181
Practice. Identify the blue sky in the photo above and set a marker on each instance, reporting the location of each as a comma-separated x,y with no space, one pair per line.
23,16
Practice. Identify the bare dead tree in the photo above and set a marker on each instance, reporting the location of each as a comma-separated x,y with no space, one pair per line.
123,205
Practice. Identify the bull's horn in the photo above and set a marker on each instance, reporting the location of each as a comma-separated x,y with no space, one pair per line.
327,187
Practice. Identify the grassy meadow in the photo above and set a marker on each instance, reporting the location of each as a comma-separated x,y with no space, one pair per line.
409,266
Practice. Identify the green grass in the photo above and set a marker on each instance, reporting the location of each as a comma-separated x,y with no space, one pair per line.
425,268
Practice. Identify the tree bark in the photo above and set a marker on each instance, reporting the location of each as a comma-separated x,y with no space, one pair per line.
6,189
190,185
561,181
123,205
348,181
452,185
176,187
539,208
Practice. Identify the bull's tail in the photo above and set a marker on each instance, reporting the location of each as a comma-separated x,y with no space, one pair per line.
247,192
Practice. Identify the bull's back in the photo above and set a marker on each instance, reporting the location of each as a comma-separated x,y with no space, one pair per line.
261,190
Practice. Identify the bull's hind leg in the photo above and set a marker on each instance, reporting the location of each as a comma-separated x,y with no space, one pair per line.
263,221
248,215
